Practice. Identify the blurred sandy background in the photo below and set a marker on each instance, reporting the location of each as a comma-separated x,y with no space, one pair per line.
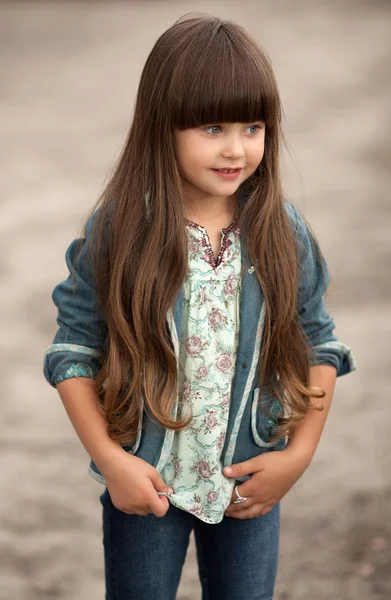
68,75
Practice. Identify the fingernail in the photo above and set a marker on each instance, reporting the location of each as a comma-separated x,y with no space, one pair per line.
228,470
170,490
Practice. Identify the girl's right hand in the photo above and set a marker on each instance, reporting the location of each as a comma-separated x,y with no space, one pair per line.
133,485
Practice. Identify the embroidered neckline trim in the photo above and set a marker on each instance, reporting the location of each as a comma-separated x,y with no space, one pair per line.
213,261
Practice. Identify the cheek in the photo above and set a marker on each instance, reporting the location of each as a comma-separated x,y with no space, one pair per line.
183,158
192,158
183,151
256,156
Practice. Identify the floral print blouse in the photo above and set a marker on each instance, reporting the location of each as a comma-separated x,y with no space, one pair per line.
207,357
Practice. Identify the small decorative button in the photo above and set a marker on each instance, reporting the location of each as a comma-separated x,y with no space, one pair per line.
276,407
251,269
244,365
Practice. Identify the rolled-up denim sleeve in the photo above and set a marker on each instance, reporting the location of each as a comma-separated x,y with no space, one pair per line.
317,323
76,349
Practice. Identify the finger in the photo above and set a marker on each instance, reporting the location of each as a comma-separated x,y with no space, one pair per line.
256,510
245,490
159,505
250,500
140,513
246,467
159,484
231,508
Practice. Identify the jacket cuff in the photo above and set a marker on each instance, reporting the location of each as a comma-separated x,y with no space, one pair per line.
336,354
64,361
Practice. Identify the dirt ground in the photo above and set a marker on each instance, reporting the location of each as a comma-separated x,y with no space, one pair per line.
68,74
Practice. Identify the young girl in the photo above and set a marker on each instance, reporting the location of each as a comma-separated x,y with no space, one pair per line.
193,334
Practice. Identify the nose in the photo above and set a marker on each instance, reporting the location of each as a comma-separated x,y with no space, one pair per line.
233,147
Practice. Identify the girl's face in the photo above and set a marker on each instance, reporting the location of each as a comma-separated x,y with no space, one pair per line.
200,151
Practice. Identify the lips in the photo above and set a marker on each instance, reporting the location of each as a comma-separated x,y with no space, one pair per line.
227,174
228,169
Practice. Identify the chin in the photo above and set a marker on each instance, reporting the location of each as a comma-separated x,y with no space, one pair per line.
226,188
227,191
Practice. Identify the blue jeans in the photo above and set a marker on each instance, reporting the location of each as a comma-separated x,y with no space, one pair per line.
144,556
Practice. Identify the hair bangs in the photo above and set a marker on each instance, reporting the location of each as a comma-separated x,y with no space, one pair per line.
222,82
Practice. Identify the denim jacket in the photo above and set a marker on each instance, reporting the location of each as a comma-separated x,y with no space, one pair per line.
82,332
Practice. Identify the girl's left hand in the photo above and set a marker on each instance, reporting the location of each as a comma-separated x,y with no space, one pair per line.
274,473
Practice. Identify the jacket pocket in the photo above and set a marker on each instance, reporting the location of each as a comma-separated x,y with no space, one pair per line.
262,425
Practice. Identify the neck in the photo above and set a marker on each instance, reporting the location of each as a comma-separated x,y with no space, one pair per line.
211,209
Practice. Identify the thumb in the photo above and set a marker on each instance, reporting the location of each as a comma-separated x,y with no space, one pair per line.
159,484
158,505
244,468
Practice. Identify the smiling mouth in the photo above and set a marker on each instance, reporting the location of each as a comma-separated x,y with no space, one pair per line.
228,170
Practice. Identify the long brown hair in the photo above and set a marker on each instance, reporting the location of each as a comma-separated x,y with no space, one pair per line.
201,70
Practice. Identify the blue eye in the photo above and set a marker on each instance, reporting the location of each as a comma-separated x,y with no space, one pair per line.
257,127
212,127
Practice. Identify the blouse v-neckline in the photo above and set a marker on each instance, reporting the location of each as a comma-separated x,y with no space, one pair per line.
213,260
